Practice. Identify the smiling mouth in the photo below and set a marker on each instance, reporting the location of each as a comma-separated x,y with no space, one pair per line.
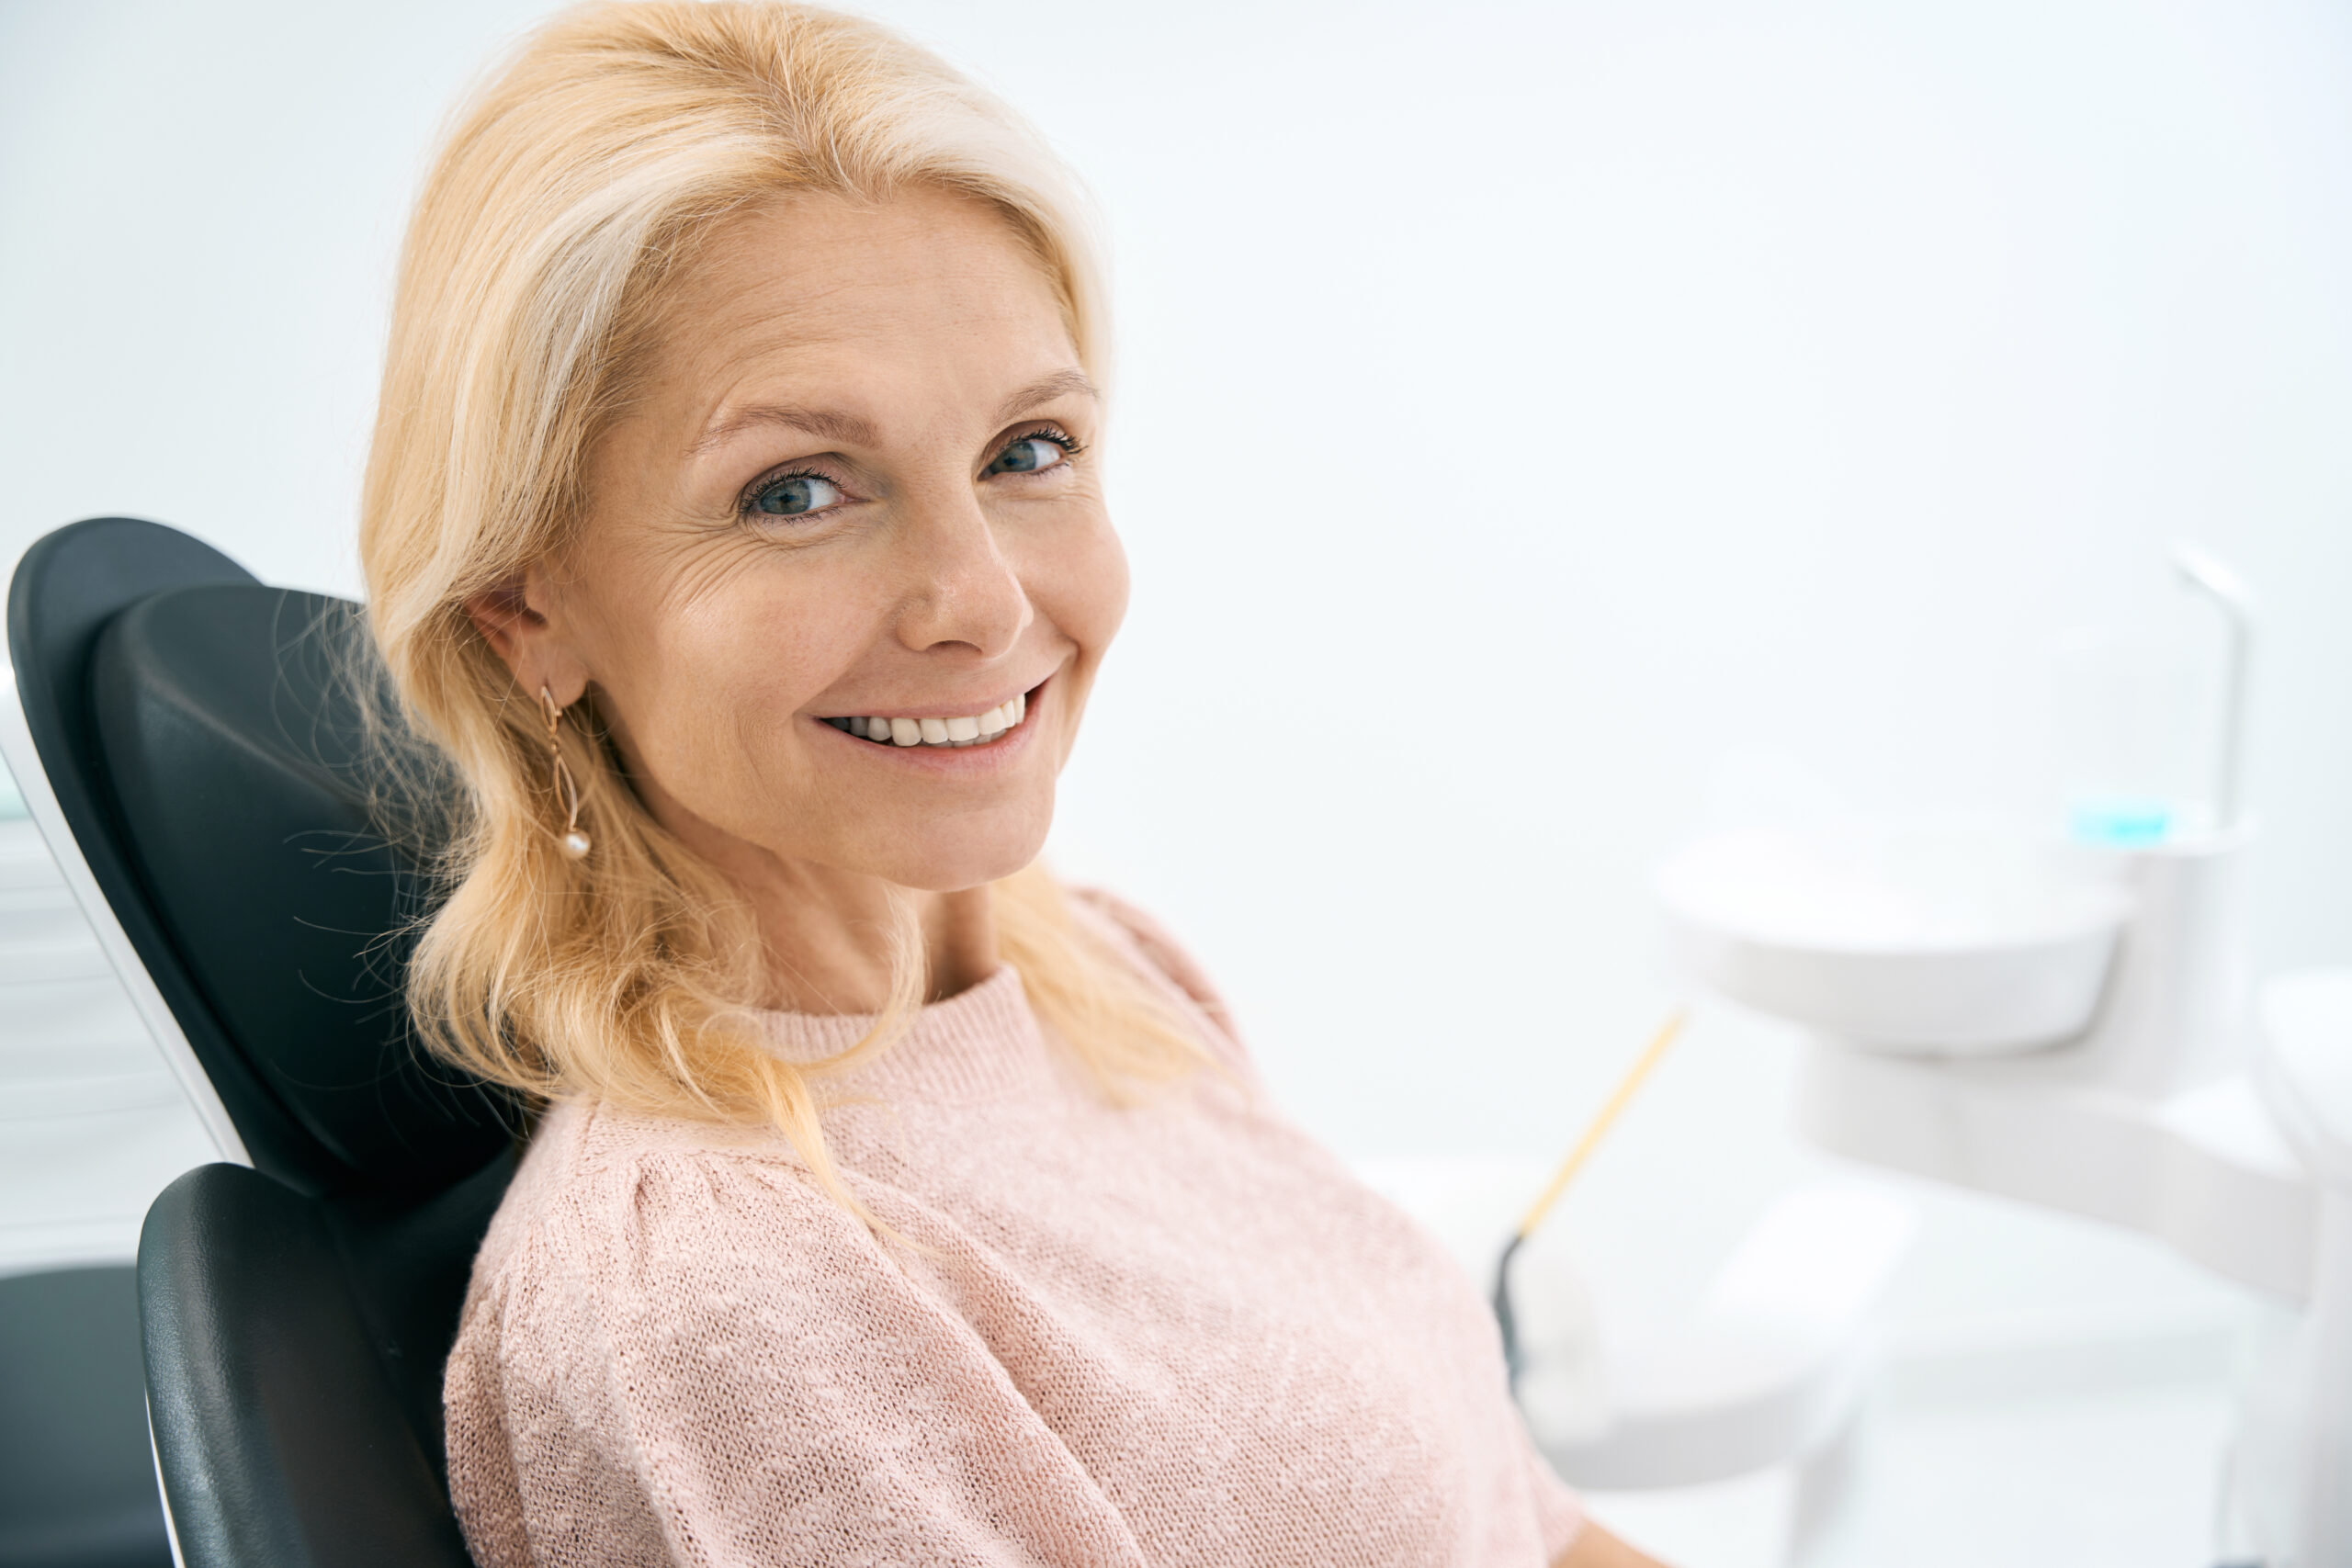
963,729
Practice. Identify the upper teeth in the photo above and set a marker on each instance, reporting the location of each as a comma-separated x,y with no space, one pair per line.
964,730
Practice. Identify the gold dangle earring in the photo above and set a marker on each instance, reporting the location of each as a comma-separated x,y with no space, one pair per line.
567,790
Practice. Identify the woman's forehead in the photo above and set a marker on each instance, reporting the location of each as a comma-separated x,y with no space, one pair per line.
826,278
815,266
820,290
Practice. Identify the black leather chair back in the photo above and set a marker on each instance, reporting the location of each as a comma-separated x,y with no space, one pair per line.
204,737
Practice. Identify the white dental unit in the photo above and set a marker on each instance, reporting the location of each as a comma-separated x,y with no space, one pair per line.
2077,1026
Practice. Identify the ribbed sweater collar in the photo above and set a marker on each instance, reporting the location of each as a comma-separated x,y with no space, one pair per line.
983,1042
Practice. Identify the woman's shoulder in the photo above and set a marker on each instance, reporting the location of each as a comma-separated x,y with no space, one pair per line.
609,1206
647,1288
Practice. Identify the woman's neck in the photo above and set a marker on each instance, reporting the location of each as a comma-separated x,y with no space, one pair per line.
829,937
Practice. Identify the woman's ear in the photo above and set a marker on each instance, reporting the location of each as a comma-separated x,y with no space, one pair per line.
518,619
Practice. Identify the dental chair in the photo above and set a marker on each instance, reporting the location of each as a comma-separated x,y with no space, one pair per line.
192,746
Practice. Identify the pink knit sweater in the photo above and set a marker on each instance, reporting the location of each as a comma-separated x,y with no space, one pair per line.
1171,1333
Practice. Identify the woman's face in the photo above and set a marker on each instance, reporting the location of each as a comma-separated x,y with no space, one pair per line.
859,486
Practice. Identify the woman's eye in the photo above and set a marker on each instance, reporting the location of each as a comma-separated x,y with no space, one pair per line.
1028,455
795,495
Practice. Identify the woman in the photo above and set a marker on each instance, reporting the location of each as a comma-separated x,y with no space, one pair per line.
734,523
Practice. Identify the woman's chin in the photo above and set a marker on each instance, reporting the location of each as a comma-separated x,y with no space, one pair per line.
966,864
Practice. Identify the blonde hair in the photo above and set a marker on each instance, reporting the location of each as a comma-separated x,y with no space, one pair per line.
575,185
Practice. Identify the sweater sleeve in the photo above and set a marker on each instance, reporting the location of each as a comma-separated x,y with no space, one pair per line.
1559,1513
705,1361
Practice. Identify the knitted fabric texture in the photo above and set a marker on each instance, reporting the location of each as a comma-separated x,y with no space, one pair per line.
1175,1332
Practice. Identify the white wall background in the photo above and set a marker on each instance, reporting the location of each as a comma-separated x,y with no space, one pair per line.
1543,429
1539,425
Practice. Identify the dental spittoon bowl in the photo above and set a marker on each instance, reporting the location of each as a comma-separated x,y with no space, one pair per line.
1916,941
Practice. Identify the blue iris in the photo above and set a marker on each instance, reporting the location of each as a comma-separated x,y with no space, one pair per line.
788,497
1026,456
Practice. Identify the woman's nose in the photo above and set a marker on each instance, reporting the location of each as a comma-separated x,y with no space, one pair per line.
963,589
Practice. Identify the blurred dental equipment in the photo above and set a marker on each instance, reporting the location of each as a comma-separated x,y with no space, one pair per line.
1767,1368
1505,1318
2074,1025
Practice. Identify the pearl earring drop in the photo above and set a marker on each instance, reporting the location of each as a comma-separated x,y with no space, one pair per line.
567,790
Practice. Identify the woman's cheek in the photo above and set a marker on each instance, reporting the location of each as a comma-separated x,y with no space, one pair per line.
1088,598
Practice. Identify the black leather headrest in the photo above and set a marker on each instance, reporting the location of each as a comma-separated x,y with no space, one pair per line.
247,794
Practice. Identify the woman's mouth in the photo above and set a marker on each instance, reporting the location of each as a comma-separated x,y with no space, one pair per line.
948,730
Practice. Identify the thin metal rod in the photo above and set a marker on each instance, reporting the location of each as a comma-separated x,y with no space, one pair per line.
2229,592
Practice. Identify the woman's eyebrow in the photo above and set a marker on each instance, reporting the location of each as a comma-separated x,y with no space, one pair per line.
829,424
1045,390
851,430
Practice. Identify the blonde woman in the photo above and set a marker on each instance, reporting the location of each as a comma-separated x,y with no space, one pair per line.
734,524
